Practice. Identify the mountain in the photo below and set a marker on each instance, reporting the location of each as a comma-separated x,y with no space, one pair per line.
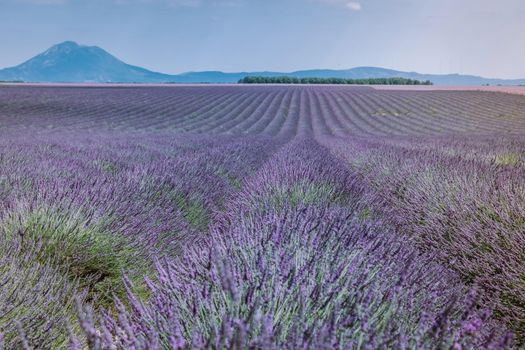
69,62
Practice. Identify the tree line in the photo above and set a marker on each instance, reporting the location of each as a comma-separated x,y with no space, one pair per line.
294,80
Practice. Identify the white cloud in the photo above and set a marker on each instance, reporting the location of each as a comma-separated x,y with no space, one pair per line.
354,6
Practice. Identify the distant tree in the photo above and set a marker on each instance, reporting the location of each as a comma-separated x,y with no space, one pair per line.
314,80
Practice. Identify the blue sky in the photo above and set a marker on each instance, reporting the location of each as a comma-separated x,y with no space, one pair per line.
479,37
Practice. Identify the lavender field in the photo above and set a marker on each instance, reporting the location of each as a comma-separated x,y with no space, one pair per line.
261,217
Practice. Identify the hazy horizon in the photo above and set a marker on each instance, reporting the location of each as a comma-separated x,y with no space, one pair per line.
176,36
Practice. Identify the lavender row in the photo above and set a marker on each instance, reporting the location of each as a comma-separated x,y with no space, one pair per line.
461,198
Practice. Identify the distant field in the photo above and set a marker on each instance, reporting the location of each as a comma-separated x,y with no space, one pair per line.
518,90
261,217
268,110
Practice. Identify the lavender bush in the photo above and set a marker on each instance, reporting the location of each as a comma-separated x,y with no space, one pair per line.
36,296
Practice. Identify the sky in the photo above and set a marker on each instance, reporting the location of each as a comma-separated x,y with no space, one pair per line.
480,37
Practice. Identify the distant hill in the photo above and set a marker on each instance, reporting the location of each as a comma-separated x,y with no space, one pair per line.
70,62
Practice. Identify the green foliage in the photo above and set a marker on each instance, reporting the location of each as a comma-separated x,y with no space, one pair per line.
85,252
304,193
511,159
369,81
107,166
193,211
232,180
